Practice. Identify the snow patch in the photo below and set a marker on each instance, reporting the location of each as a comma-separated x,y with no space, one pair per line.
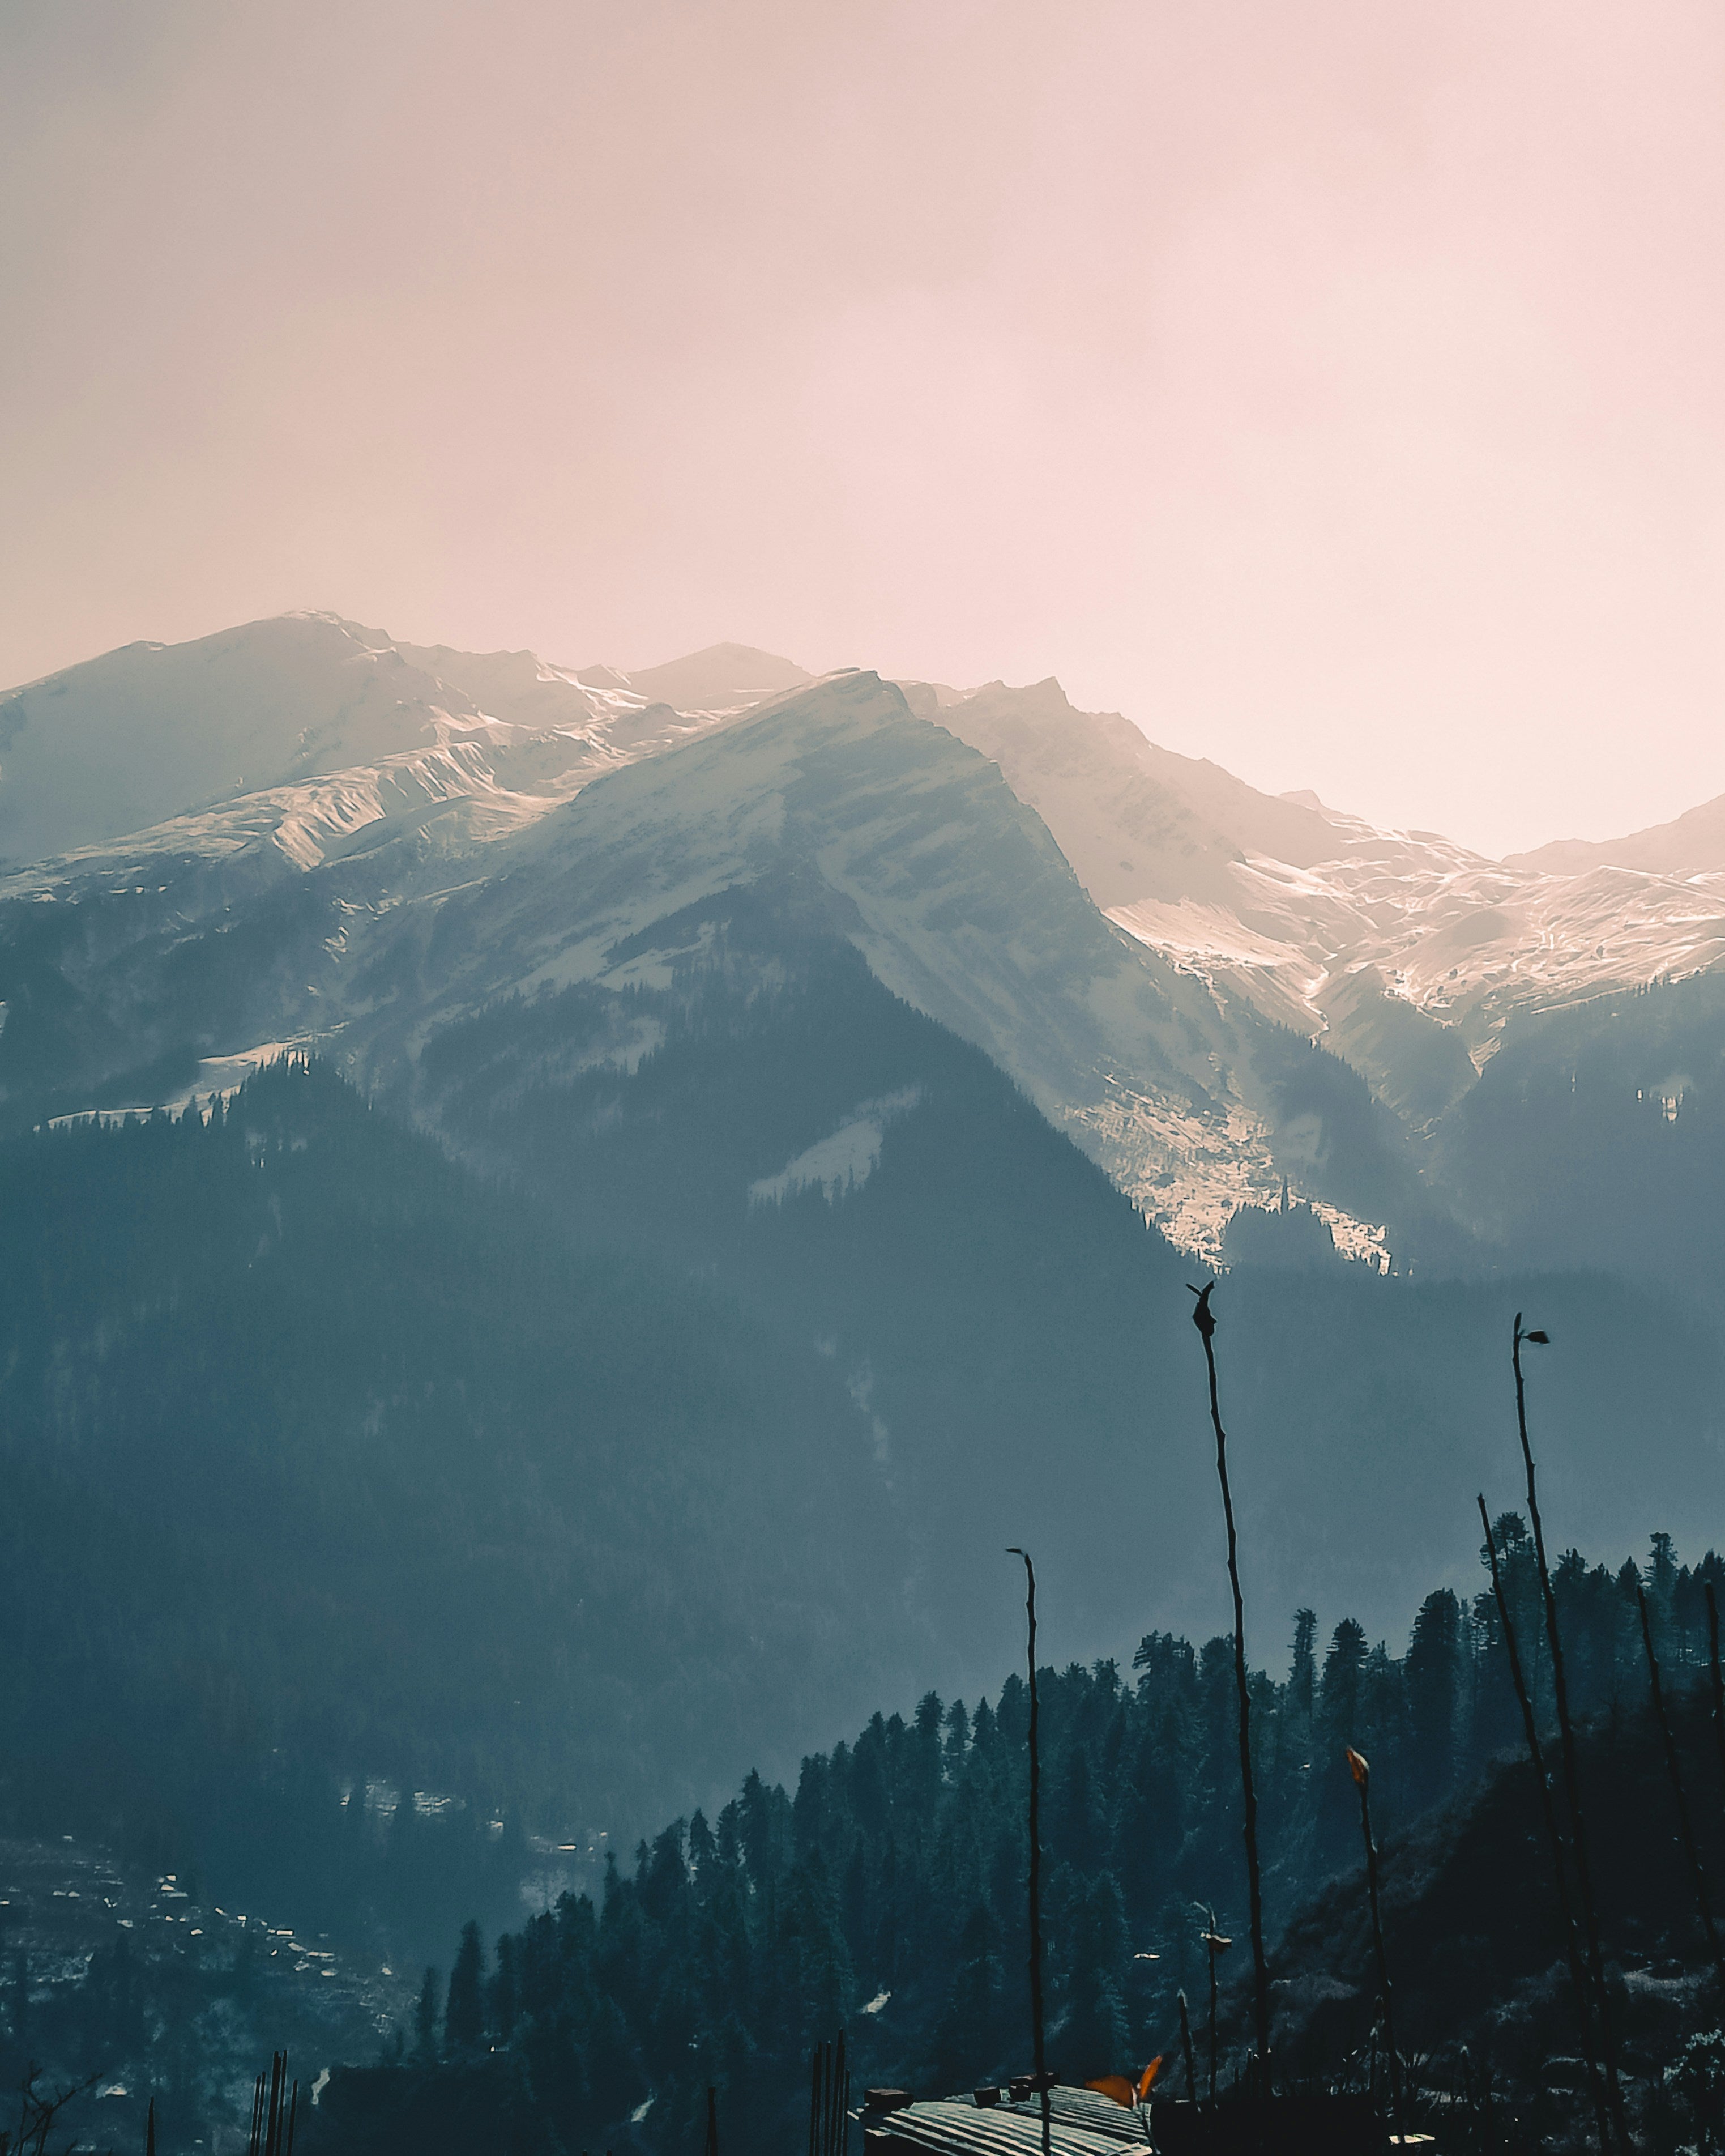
843,1162
1189,1173
219,1075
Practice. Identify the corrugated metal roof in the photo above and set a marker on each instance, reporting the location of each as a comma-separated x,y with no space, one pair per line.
1084,2122
1089,2108
1081,2123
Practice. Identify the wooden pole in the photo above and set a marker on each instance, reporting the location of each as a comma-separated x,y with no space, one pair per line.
1205,1319
272,2117
1717,1674
1360,1767
1566,1734
1554,1835
1185,2044
1037,2032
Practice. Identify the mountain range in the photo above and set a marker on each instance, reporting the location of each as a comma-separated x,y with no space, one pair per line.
867,1068
1150,946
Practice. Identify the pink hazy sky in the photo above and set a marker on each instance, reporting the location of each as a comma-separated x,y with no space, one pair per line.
1333,385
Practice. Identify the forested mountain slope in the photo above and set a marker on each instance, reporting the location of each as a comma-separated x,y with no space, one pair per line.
887,1893
1596,1136
757,1104
659,1013
315,1448
715,1414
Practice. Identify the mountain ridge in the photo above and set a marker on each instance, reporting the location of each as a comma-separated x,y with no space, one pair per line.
1693,843
959,895
1406,959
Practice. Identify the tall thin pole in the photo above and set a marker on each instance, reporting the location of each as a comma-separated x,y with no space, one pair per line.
1360,1768
1566,1733
711,2122
1685,1831
1185,2044
1035,1852
275,2098
1554,1835
1205,1319
1717,1675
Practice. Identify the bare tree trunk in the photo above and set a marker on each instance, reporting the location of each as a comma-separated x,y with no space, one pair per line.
1360,1767
1036,1854
1554,1835
1205,1319
1185,2044
1717,1674
1566,1733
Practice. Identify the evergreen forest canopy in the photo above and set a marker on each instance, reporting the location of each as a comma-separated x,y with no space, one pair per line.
886,1896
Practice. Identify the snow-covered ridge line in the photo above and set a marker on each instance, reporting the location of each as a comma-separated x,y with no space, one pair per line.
969,840
1401,952
1465,950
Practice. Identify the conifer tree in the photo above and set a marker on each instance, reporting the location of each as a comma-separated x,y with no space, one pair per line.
1434,1676
1302,1675
463,2012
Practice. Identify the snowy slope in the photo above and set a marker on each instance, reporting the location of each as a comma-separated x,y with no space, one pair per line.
307,722
146,732
1122,928
886,829
1403,953
915,849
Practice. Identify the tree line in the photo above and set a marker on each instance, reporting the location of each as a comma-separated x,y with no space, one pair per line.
886,1893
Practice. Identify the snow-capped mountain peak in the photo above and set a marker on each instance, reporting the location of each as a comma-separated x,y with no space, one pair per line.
1403,951
1143,940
